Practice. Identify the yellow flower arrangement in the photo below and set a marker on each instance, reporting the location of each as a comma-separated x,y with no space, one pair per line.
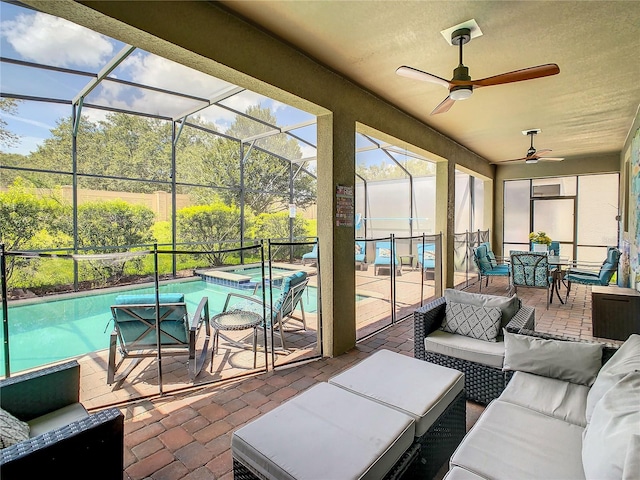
540,237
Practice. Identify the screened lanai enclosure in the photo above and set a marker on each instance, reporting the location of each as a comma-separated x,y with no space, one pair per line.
127,177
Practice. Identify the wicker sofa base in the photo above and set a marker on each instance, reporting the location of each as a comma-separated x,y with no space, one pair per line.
482,383
441,440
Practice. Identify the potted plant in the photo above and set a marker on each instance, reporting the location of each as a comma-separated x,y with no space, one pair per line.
540,241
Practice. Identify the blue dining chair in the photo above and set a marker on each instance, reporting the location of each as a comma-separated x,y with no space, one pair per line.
590,277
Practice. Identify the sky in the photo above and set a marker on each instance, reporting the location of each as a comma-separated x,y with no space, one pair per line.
44,39
40,38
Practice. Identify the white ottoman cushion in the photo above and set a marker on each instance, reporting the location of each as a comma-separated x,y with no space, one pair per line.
325,432
420,389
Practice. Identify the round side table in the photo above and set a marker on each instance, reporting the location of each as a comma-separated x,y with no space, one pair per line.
234,320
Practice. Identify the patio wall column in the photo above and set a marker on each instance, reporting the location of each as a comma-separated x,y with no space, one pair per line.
445,216
336,166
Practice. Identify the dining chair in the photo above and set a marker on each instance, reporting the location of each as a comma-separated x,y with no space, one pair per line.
531,270
589,277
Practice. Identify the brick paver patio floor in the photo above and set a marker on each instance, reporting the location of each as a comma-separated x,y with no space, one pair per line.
188,435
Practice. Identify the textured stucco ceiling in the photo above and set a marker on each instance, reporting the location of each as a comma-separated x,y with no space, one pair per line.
587,109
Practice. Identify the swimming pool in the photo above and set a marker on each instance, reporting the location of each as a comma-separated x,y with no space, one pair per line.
55,329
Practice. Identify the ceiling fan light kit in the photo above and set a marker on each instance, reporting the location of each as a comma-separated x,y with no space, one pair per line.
461,86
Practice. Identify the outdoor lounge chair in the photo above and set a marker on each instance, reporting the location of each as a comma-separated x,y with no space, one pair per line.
591,277
63,441
383,258
135,335
283,308
311,257
361,252
427,258
487,264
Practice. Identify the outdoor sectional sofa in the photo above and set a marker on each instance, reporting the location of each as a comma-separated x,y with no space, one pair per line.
481,361
562,415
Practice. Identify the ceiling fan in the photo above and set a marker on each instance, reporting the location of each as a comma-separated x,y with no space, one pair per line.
533,155
461,86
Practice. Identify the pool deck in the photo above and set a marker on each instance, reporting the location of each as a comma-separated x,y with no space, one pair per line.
188,435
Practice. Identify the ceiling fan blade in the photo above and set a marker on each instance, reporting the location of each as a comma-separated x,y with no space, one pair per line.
444,106
416,74
542,151
551,159
515,76
515,160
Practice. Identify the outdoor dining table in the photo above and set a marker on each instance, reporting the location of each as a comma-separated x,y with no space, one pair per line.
557,274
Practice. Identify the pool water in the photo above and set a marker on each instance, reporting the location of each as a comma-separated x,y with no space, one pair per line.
52,330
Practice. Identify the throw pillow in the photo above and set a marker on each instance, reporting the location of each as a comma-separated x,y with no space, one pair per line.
482,323
12,430
574,362
508,305
610,434
358,249
624,361
384,252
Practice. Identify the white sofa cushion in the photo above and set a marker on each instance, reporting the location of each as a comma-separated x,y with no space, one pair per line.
56,419
574,362
513,442
465,348
419,389
325,432
509,306
457,473
624,361
559,399
609,435
482,323
631,469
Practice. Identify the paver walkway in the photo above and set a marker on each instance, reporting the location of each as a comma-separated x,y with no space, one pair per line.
188,436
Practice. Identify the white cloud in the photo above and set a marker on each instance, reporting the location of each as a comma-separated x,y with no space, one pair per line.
28,121
27,145
54,41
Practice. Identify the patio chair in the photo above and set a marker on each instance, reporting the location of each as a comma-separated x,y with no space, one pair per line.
383,258
487,264
134,333
361,252
531,270
311,257
427,258
63,440
283,308
589,277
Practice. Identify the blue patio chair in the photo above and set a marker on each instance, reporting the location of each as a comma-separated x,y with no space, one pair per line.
383,258
134,333
487,264
531,270
361,253
311,257
426,258
283,308
590,277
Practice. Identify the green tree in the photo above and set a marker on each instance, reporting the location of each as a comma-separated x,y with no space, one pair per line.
266,177
114,226
7,137
391,171
25,218
213,226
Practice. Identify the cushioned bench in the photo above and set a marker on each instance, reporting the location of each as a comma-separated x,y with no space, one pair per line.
325,432
386,416
431,394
